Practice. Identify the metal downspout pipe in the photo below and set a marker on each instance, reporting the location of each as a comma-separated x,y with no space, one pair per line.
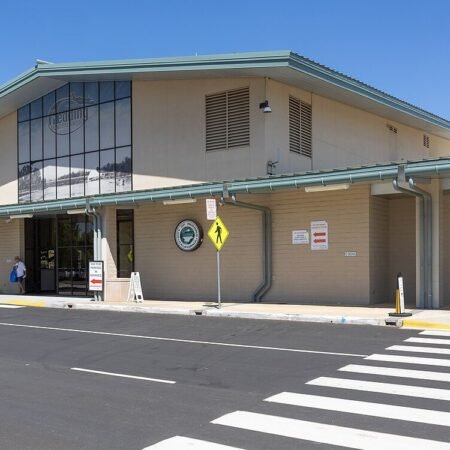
262,290
423,294
428,217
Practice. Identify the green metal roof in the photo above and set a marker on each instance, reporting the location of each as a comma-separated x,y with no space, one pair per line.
361,174
253,64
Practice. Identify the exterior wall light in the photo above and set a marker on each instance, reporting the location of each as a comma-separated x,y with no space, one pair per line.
21,216
76,211
265,107
330,187
179,201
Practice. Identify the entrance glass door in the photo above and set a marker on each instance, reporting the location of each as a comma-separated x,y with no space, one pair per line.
75,249
47,255
57,253
40,255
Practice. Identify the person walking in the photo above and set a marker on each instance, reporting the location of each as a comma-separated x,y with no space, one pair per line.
21,272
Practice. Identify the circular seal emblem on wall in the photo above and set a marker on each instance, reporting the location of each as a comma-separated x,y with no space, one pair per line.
188,235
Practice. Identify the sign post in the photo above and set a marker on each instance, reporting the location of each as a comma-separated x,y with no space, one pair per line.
218,233
96,279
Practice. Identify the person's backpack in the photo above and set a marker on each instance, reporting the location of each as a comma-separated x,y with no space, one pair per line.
13,275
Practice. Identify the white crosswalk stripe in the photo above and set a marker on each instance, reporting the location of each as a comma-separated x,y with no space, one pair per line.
184,443
394,372
415,349
428,341
409,360
11,306
382,388
435,333
326,434
363,408
347,409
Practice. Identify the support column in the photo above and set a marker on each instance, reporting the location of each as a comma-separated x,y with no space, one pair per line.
437,243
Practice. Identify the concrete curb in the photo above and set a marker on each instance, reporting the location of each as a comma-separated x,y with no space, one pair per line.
22,302
424,325
210,311
234,314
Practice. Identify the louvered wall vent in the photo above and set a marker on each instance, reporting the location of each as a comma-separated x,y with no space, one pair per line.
300,127
228,119
426,141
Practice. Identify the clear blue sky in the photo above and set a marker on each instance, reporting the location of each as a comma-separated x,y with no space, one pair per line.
399,46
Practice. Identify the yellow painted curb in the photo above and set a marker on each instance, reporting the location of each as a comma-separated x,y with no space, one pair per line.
25,303
410,323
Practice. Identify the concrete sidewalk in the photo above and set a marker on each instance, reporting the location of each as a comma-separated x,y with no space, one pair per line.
421,319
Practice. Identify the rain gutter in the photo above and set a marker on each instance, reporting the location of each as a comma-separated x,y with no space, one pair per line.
267,184
265,286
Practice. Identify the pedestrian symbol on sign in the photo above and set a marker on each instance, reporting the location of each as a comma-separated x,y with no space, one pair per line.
219,233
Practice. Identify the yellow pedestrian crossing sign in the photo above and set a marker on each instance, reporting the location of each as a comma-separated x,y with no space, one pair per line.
218,233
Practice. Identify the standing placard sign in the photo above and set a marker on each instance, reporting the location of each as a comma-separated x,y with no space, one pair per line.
135,288
319,235
96,276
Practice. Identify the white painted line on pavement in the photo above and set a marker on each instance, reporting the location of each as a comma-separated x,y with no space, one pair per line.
401,373
415,349
99,372
184,443
435,333
11,306
410,360
326,434
428,341
185,341
382,388
364,408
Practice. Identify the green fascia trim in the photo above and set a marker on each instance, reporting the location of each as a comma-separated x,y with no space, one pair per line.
226,61
268,184
18,82
319,71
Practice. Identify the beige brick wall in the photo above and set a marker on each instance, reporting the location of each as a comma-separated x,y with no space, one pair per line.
11,236
167,272
303,275
446,248
402,247
379,250
300,274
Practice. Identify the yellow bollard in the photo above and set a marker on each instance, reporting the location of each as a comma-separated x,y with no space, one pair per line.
400,299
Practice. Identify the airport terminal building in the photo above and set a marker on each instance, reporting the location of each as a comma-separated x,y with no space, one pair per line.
328,186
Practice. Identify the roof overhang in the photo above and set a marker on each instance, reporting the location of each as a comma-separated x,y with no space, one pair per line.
282,66
439,167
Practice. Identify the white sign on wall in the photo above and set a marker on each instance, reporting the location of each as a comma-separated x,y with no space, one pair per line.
300,237
211,209
96,275
319,235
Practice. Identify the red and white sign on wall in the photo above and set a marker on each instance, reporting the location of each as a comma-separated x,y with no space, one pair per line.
96,275
319,235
